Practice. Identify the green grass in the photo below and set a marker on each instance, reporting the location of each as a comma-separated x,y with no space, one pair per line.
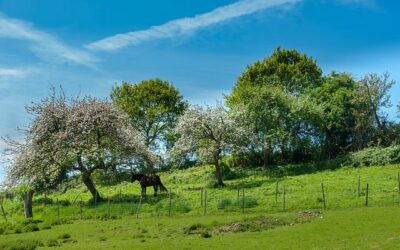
345,224
302,192
354,228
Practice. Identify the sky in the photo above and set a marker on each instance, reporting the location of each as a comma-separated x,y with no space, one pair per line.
200,47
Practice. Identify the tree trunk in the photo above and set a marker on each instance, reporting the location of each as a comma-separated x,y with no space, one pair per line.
89,184
266,155
218,173
28,204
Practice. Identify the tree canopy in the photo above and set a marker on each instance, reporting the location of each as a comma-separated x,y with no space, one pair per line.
80,135
153,107
209,133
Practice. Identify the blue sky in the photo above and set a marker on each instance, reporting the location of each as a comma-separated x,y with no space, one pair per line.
201,47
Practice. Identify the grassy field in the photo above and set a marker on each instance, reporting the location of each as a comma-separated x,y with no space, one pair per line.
354,228
301,192
261,223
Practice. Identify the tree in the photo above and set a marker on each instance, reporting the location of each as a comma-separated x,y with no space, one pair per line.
376,90
295,73
80,135
31,171
337,124
371,121
153,107
275,94
209,133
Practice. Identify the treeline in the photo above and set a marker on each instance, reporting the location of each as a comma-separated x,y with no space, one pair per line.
299,114
296,113
282,110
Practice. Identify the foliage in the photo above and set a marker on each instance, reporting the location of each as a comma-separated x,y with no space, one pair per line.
337,122
298,115
153,107
209,133
81,134
274,95
375,156
372,125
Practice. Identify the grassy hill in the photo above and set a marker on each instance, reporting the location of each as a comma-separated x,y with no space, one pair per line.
301,192
302,222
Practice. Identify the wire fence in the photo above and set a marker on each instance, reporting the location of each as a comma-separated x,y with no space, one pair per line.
207,201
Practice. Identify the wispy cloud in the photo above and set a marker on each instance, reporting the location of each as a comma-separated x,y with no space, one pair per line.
43,44
10,72
183,26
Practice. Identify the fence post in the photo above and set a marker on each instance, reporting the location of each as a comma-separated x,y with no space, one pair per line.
205,201
238,196
108,207
120,194
398,182
359,186
201,197
2,209
170,203
58,208
276,190
138,208
366,197
45,198
284,197
323,195
242,200
80,208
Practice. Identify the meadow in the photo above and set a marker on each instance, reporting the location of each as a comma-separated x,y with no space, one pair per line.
198,215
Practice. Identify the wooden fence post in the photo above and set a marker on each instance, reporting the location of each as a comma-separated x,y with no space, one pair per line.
120,195
242,200
323,195
170,202
238,196
359,186
201,197
45,198
284,197
205,201
80,208
108,207
366,197
138,208
58,208
276,190
2,209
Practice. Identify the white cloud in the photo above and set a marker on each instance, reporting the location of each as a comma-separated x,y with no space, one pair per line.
185,25
10,72
43,44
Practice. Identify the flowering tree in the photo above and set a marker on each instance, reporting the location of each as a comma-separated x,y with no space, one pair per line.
73,136
209,133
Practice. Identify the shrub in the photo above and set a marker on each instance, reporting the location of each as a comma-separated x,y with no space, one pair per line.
375,156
